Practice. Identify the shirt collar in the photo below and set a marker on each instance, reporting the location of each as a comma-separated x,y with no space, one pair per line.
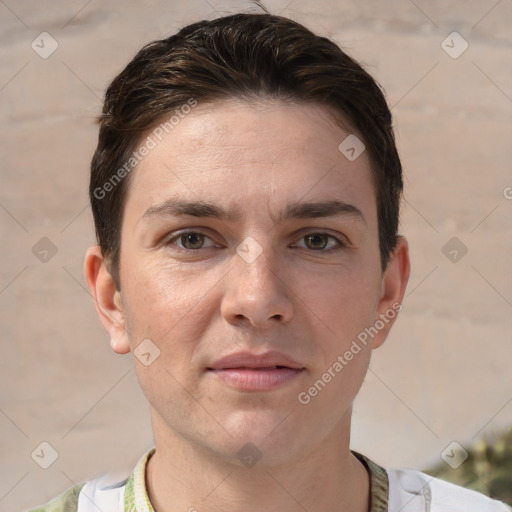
136,498
135,495
379,484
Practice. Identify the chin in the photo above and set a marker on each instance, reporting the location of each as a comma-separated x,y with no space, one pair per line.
267,435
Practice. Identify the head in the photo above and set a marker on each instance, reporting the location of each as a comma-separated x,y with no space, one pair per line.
255,57
245,118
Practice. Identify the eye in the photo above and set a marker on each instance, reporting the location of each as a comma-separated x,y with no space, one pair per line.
190,240
320,241
316,241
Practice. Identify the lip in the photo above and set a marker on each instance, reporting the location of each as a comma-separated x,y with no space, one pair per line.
255,361
250,372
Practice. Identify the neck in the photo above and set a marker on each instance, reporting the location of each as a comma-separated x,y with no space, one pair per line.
182,476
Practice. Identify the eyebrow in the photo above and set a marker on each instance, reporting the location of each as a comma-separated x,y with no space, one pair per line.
296,210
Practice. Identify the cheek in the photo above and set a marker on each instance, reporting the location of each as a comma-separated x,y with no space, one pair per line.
153,277
160,299
332,390
344,300
164,307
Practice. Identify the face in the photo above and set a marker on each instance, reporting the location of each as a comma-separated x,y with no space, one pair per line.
250,261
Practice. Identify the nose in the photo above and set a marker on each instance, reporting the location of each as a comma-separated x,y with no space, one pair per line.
257,293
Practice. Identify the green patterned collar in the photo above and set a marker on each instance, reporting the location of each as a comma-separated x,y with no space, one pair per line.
379,485
136,498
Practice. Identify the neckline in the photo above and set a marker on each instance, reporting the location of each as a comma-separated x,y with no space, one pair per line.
136,497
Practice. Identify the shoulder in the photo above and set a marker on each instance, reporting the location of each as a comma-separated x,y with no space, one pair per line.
110,492
103,494
65,502
411,490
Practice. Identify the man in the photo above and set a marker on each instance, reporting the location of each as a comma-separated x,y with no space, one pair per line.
245,192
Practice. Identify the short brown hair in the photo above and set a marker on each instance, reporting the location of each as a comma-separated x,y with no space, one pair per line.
247,56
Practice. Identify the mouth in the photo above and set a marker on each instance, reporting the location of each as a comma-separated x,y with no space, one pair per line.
249,372
276,367
257,379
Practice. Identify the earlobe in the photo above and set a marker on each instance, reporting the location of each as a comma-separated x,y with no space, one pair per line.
394,283
107,299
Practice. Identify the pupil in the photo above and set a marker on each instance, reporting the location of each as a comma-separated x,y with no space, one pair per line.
316,237
193,239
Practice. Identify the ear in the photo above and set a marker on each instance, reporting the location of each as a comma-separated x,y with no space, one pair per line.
394,282
106,299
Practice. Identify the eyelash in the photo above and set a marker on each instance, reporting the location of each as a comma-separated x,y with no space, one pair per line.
341,243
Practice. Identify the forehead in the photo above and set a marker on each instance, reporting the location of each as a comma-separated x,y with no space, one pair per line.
244,129
249,154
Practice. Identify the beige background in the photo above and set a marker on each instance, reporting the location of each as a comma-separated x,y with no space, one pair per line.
443,375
